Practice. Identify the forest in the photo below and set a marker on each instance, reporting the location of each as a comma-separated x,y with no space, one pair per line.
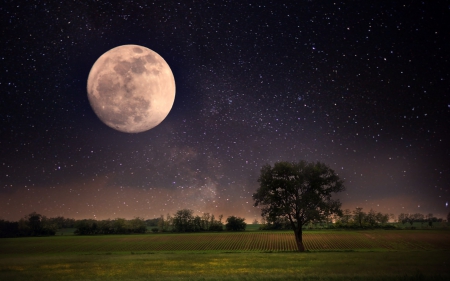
184,220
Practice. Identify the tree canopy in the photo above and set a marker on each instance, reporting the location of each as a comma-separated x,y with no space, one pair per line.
298,191
235,224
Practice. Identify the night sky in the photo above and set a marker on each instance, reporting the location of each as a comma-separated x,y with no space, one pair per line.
362,86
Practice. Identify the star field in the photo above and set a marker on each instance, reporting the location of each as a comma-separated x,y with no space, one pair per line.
363,87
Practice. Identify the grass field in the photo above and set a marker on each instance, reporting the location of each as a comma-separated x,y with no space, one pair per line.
380,240
333,255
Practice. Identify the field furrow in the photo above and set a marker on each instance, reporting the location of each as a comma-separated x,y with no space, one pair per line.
401,240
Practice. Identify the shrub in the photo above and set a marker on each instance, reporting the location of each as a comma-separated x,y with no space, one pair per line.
235,224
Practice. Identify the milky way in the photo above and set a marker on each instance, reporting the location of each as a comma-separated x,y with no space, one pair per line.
363,87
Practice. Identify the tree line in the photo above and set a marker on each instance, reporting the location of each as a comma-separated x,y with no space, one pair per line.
34,224
428,219
182,221
372,219
185,221
354,219
116,226
347,219
360,219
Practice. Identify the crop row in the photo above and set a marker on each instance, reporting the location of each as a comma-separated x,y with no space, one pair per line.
243,241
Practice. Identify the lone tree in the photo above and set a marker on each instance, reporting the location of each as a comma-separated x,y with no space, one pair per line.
300,192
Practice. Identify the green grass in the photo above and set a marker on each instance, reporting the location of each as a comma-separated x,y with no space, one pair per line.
230,266
252,227
256,241
420,225
65,231
333,255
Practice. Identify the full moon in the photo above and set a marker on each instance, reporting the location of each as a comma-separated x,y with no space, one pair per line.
131,88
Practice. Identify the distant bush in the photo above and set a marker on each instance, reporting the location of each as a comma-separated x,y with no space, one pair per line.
389,226
235,224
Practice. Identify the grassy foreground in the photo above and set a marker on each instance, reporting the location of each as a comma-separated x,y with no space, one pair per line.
333,255
419,265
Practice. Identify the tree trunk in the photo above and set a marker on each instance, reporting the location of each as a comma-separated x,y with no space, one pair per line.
299,239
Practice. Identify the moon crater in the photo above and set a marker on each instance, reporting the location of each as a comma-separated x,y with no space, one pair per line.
131,88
